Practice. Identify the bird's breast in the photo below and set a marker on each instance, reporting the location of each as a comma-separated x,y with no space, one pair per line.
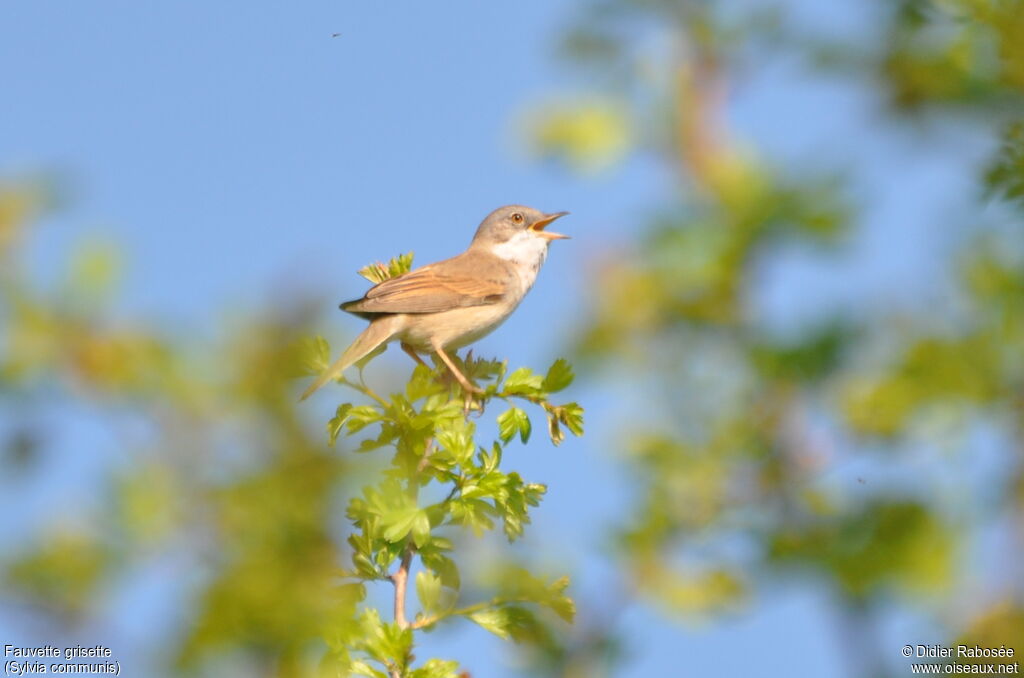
526,254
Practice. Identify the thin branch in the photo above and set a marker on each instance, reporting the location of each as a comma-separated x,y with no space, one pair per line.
401,581
536,400
427,450
455,490
369,391
365,390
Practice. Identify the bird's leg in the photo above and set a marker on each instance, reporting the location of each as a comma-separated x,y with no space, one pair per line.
467,401
467,385
445,378
413,354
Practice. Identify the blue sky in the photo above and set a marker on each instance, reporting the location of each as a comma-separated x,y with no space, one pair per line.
238,151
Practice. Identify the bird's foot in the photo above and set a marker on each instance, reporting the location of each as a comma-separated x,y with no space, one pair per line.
470,387
471,403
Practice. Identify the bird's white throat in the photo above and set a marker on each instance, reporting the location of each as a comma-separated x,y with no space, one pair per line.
527,251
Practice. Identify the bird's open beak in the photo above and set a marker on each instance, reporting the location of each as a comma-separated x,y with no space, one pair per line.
538,226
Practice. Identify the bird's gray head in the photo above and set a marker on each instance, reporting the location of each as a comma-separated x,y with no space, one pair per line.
516,223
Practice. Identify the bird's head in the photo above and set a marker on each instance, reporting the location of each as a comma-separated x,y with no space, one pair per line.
516,227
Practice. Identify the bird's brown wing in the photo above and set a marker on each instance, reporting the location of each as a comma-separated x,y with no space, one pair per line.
453,283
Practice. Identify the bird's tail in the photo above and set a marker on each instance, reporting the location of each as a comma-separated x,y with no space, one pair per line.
378,332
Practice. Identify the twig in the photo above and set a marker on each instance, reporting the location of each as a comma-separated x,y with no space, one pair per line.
365,390
536,400
427,450
401,580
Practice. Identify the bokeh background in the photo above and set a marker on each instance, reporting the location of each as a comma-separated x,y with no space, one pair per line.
795,299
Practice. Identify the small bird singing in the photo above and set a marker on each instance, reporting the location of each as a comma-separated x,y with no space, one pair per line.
447,305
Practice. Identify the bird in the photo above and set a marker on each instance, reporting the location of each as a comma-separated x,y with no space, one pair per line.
444,306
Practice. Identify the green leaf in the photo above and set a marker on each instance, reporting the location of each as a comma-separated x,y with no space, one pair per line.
438,543
457,439
387,554
383,642
514,421
365,566
362,416
507,425
520,584
397,524
572,417
397,510
436,668
444,566
336,422
510,621
480,370
489,460
525,428
559,376
422,384
388,433
314,356
361,668
473,513
379,272
523,382
559,603
514,498
428,589
494,620
362,556
421,529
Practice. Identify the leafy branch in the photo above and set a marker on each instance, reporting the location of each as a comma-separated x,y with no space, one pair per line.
440,480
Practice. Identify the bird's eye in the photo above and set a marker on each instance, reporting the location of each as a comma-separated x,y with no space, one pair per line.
517,218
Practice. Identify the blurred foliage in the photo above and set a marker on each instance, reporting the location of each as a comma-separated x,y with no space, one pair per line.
213,463
589,136
1006,174
898,545
734,444
1002,626
63,572
954,51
